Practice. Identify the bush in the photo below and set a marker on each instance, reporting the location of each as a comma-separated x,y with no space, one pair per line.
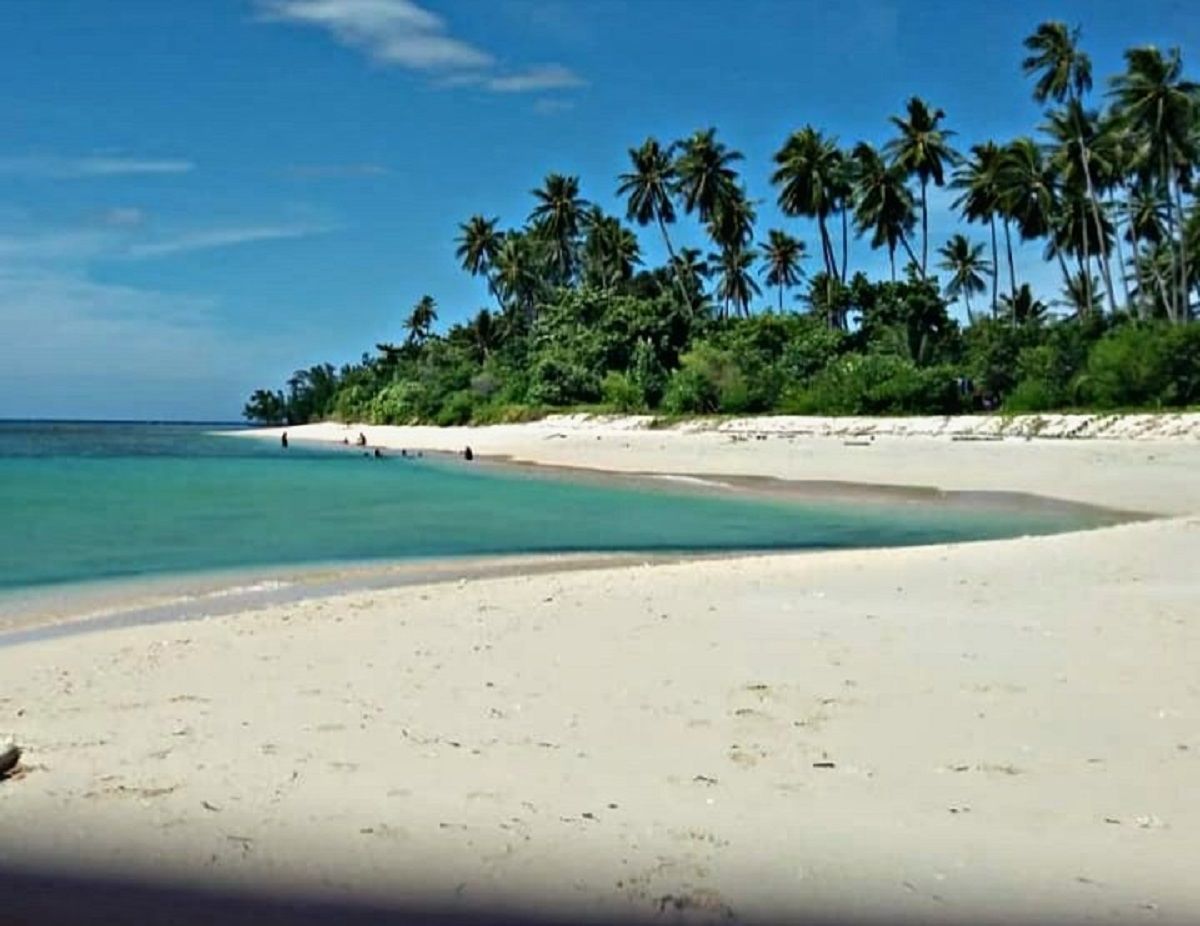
1153,365
557,381
621,394
877,384
456,410
708,380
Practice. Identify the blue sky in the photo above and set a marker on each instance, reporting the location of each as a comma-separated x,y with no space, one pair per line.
198,197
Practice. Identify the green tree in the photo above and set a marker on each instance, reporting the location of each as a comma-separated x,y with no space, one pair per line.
705,179
883,203
967,267
782,255
1160,108
1063,71
478,243
557,218
922,149
979,201
648,188
419,323
736,285
812,178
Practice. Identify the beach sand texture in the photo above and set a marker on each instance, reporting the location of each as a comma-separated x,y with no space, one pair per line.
1003,728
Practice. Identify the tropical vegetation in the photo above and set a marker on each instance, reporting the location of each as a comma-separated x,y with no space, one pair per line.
778,320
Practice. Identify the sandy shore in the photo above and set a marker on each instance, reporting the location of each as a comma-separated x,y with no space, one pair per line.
1007,729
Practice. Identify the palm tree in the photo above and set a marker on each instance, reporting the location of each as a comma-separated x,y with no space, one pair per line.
966,266
922,149
610,250
557,218
1078,291
1160,108
477,246
1023,308
811,178
1028,190
980,202
732,220
1076,233
883,203
648,188
782,255
1063,70
692,270
518,273
735,283
419,323
704,177
1074,131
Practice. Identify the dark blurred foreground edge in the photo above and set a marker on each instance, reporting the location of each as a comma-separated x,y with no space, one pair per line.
41,899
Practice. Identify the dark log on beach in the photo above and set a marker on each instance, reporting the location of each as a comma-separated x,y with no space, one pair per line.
9,757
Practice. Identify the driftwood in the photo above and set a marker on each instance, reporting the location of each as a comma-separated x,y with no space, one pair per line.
9,757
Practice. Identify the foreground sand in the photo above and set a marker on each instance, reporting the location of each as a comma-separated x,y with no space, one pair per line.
935,733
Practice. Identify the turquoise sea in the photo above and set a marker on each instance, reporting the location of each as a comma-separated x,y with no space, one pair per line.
86,501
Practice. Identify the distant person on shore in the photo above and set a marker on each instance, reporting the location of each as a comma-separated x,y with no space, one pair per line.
283,440
378,453
361,440
468,454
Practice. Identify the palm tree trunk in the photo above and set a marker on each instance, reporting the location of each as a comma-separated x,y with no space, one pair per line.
995,270
687,299
1142,308
827,248
780,297
924,227
1120,255
845,240
1012,273
1185,307
1083,263
908,247
1062,265
1172,304
1091,195
970,314
892,260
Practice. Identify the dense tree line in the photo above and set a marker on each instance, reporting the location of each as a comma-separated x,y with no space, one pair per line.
1106,186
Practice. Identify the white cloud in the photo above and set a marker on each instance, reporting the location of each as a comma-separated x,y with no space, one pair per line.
542,77
401,33
223,238
389,31
64,168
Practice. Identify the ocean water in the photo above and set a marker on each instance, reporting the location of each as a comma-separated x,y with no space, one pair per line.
83,502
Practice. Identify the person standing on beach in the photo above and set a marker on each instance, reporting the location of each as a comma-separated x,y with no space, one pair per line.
283,440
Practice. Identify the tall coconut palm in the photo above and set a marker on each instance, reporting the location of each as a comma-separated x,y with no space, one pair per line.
782,255
692,270
1074,132
883,203
965,263
732,219
419,323
557,217
811,178
1160,108
979,201
648,188
610,250
922,150
477,246
1023,308
518,273
704,175
1077,234
735,281
1063,71
1078,292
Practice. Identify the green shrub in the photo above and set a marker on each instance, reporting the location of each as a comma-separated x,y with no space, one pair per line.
456,410
877,384
557,381
708,380
621,394
1144,365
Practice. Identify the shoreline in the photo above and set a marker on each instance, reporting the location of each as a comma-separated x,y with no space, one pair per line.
942,733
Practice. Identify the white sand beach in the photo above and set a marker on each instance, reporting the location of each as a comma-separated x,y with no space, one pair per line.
1001,730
